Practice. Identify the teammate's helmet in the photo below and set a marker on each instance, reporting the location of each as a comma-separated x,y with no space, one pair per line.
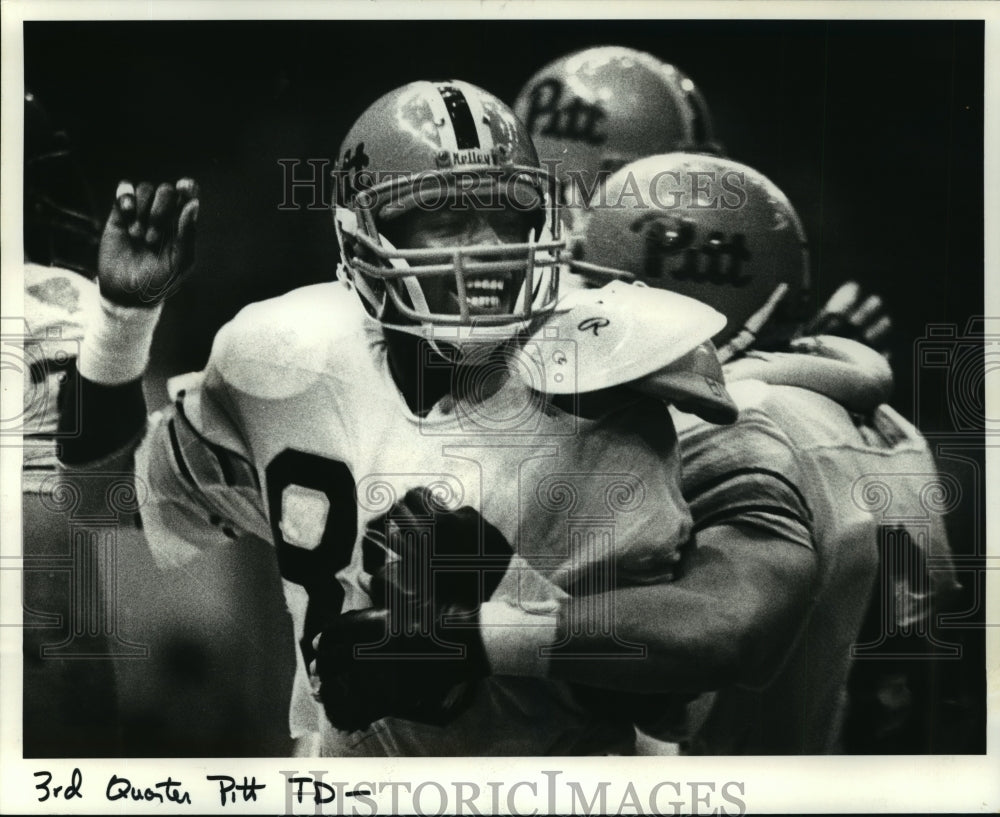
598,109
448,144
706,227
61,228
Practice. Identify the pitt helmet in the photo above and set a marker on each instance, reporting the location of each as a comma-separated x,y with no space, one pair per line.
702,226
433,145
595,110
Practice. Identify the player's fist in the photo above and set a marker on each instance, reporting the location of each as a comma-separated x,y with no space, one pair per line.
369,665
418,652
148,243
426,553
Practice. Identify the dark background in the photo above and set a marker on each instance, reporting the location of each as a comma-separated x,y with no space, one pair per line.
873,129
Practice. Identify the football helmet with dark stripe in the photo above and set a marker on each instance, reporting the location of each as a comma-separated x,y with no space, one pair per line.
448,144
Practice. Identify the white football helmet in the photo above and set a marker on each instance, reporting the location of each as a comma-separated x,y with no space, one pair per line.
432,144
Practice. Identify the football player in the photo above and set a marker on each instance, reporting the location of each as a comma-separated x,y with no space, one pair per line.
720,231
69,683
593,111
457,549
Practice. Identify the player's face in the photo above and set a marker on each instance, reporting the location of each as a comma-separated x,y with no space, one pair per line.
487,294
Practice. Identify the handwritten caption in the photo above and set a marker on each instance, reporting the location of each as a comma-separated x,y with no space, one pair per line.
308,792
230,790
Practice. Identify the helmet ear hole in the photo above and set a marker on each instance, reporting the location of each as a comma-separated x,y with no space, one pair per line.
537,223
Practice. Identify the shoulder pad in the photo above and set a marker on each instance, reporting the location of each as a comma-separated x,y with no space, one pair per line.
277,347
274,326
599,338
695,384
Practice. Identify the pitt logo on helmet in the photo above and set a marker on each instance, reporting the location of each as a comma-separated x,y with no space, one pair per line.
593,111
736,259
671,248
576,119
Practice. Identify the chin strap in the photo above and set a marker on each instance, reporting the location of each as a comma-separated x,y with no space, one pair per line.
748,333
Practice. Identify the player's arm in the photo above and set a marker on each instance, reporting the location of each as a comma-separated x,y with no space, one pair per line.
729,619
848,372
745,588
146,250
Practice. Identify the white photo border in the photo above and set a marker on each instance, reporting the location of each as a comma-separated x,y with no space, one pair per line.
815,784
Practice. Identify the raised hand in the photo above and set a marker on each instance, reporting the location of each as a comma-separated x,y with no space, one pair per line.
147,248
848,315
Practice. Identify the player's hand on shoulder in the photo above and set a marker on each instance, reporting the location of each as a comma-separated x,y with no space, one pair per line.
147,248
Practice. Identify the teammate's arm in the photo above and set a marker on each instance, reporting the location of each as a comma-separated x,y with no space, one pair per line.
729,619
744,591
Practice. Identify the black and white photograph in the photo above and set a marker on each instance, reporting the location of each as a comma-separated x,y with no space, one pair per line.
451,409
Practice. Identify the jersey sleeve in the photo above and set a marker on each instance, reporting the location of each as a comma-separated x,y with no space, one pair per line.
745,474
201,488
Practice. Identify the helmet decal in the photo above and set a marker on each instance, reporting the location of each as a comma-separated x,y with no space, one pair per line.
462,124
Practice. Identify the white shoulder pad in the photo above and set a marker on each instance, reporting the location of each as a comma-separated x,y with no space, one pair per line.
276,348
599,338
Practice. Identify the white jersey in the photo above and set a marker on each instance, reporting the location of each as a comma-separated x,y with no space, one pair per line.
844,475
298,434
56,303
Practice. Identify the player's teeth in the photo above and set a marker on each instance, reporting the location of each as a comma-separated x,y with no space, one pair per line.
486,284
